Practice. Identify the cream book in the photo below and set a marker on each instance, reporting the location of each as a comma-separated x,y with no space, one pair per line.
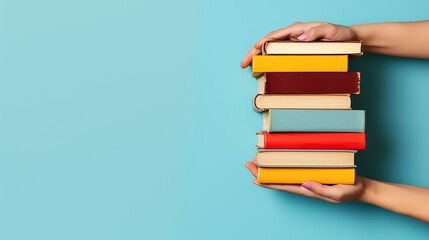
316,47
305,158
263,102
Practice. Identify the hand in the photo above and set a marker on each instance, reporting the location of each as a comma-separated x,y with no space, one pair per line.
336,193
305,32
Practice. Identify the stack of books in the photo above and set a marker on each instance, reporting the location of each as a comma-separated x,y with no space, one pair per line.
309,130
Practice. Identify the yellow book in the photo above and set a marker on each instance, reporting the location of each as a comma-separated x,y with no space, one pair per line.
299,63
301,175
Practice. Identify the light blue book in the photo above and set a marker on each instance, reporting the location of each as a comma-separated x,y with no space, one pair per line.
293,120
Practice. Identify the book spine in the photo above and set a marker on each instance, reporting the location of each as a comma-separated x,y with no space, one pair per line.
299,63
301,175
340,141
255,106
291,120
312,83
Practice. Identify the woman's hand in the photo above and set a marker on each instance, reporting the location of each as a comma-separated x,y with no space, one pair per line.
336,194
299,31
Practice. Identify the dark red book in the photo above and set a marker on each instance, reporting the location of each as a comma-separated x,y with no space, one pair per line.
339,141
309,83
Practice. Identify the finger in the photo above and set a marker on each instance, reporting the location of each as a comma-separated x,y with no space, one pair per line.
294,36
333,192
252,168
275,35
325,31
295,189
294,29
246,61
248,58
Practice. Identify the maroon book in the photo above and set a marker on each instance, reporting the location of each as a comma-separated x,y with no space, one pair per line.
309,83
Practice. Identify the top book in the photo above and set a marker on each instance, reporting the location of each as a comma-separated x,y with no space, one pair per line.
318,47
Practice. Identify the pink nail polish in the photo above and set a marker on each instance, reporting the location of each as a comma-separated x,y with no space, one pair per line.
303,37
308,186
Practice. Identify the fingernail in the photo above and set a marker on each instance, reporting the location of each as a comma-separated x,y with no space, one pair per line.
303,37
307,185
255,181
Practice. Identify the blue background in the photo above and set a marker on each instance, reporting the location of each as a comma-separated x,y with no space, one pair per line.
133,120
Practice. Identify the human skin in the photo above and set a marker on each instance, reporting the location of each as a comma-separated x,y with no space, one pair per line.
406,39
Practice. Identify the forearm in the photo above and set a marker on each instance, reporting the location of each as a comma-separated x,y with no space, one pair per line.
408,200
405,39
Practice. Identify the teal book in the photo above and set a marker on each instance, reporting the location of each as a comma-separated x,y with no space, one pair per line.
293,120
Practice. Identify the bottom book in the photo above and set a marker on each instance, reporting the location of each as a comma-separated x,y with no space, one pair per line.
301,175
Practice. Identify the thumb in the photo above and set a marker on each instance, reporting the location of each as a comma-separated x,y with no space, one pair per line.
324,31
323,190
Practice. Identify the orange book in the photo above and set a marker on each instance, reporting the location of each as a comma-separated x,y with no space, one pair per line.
299,63
301,175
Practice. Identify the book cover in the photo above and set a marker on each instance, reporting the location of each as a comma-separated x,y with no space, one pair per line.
309,83
315,47
262,102
277,158
301,175
293,120
306,140
299,63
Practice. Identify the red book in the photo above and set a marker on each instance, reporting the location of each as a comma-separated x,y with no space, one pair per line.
309,83
339,141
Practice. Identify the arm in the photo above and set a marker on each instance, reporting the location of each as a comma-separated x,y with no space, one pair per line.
406,39
403,199
408,200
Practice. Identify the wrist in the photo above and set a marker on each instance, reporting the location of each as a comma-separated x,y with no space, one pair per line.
369,190
358,32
